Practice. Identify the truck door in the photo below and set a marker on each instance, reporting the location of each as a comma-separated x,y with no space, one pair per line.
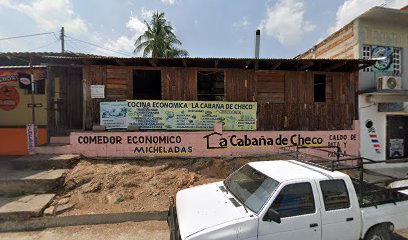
299,213
340,218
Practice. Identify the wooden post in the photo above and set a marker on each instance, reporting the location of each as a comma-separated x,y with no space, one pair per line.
50,103
32,93
86,120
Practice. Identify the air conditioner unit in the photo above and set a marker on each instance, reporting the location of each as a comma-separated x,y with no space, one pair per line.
389,83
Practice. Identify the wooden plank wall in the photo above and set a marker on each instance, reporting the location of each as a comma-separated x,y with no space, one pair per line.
298,111
92,75
297,87
285,98
270,86
240,85
118,83
179,84
118,87
305,116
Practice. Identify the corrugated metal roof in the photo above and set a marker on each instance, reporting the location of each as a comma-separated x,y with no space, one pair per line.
44,54
338,65
20,67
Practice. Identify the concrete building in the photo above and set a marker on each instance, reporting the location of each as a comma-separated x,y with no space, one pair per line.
381,34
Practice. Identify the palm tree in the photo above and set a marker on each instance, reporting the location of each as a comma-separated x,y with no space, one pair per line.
159,39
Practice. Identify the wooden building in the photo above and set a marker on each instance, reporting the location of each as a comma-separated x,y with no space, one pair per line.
292,94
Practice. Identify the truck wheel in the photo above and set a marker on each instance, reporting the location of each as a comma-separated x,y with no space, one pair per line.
378,233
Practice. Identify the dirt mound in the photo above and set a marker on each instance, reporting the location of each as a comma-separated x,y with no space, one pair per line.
134,185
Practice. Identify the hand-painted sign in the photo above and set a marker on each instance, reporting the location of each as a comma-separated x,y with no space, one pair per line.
191,115
25,78
387,63
9,98
113,114
260,141
208,144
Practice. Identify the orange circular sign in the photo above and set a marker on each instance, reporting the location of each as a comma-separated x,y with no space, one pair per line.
9,98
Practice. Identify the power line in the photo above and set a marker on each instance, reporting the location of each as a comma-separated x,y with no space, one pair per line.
58,39
98,46
46,45
71,45
78,46
55,36
104,48
24,36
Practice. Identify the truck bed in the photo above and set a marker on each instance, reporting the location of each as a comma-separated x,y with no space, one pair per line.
374,195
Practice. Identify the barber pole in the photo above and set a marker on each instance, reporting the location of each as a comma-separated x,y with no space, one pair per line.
373,136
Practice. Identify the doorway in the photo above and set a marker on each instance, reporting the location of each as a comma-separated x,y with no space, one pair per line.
65,100
397,137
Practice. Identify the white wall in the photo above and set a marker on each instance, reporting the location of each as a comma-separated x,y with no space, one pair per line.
369,111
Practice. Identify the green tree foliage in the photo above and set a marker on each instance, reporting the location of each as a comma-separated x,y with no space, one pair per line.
159,39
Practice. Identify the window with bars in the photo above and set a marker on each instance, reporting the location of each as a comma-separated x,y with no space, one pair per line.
396,60
367,55
210,86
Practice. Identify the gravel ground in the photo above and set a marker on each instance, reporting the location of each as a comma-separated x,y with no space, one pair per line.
105,186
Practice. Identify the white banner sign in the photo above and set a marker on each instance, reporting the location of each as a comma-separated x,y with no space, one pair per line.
31,138
97,91
113,114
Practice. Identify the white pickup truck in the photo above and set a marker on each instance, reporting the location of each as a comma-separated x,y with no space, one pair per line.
286,200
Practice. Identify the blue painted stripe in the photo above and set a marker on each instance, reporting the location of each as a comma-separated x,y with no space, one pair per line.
374,140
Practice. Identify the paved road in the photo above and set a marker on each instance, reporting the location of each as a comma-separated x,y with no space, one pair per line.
401,235
152,230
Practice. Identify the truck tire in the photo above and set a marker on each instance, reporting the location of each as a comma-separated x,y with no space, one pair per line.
379,232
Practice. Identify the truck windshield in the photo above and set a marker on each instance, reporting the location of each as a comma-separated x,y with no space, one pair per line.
251,187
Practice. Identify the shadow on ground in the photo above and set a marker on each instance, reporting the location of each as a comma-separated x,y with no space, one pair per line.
396,236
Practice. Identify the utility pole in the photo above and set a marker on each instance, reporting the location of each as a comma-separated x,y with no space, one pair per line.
62,37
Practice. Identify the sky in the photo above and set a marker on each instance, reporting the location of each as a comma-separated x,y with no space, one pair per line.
206,28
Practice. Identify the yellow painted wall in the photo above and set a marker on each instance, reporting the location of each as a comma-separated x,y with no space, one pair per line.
21,115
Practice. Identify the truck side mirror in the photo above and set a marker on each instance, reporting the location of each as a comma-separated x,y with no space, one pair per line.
272,216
